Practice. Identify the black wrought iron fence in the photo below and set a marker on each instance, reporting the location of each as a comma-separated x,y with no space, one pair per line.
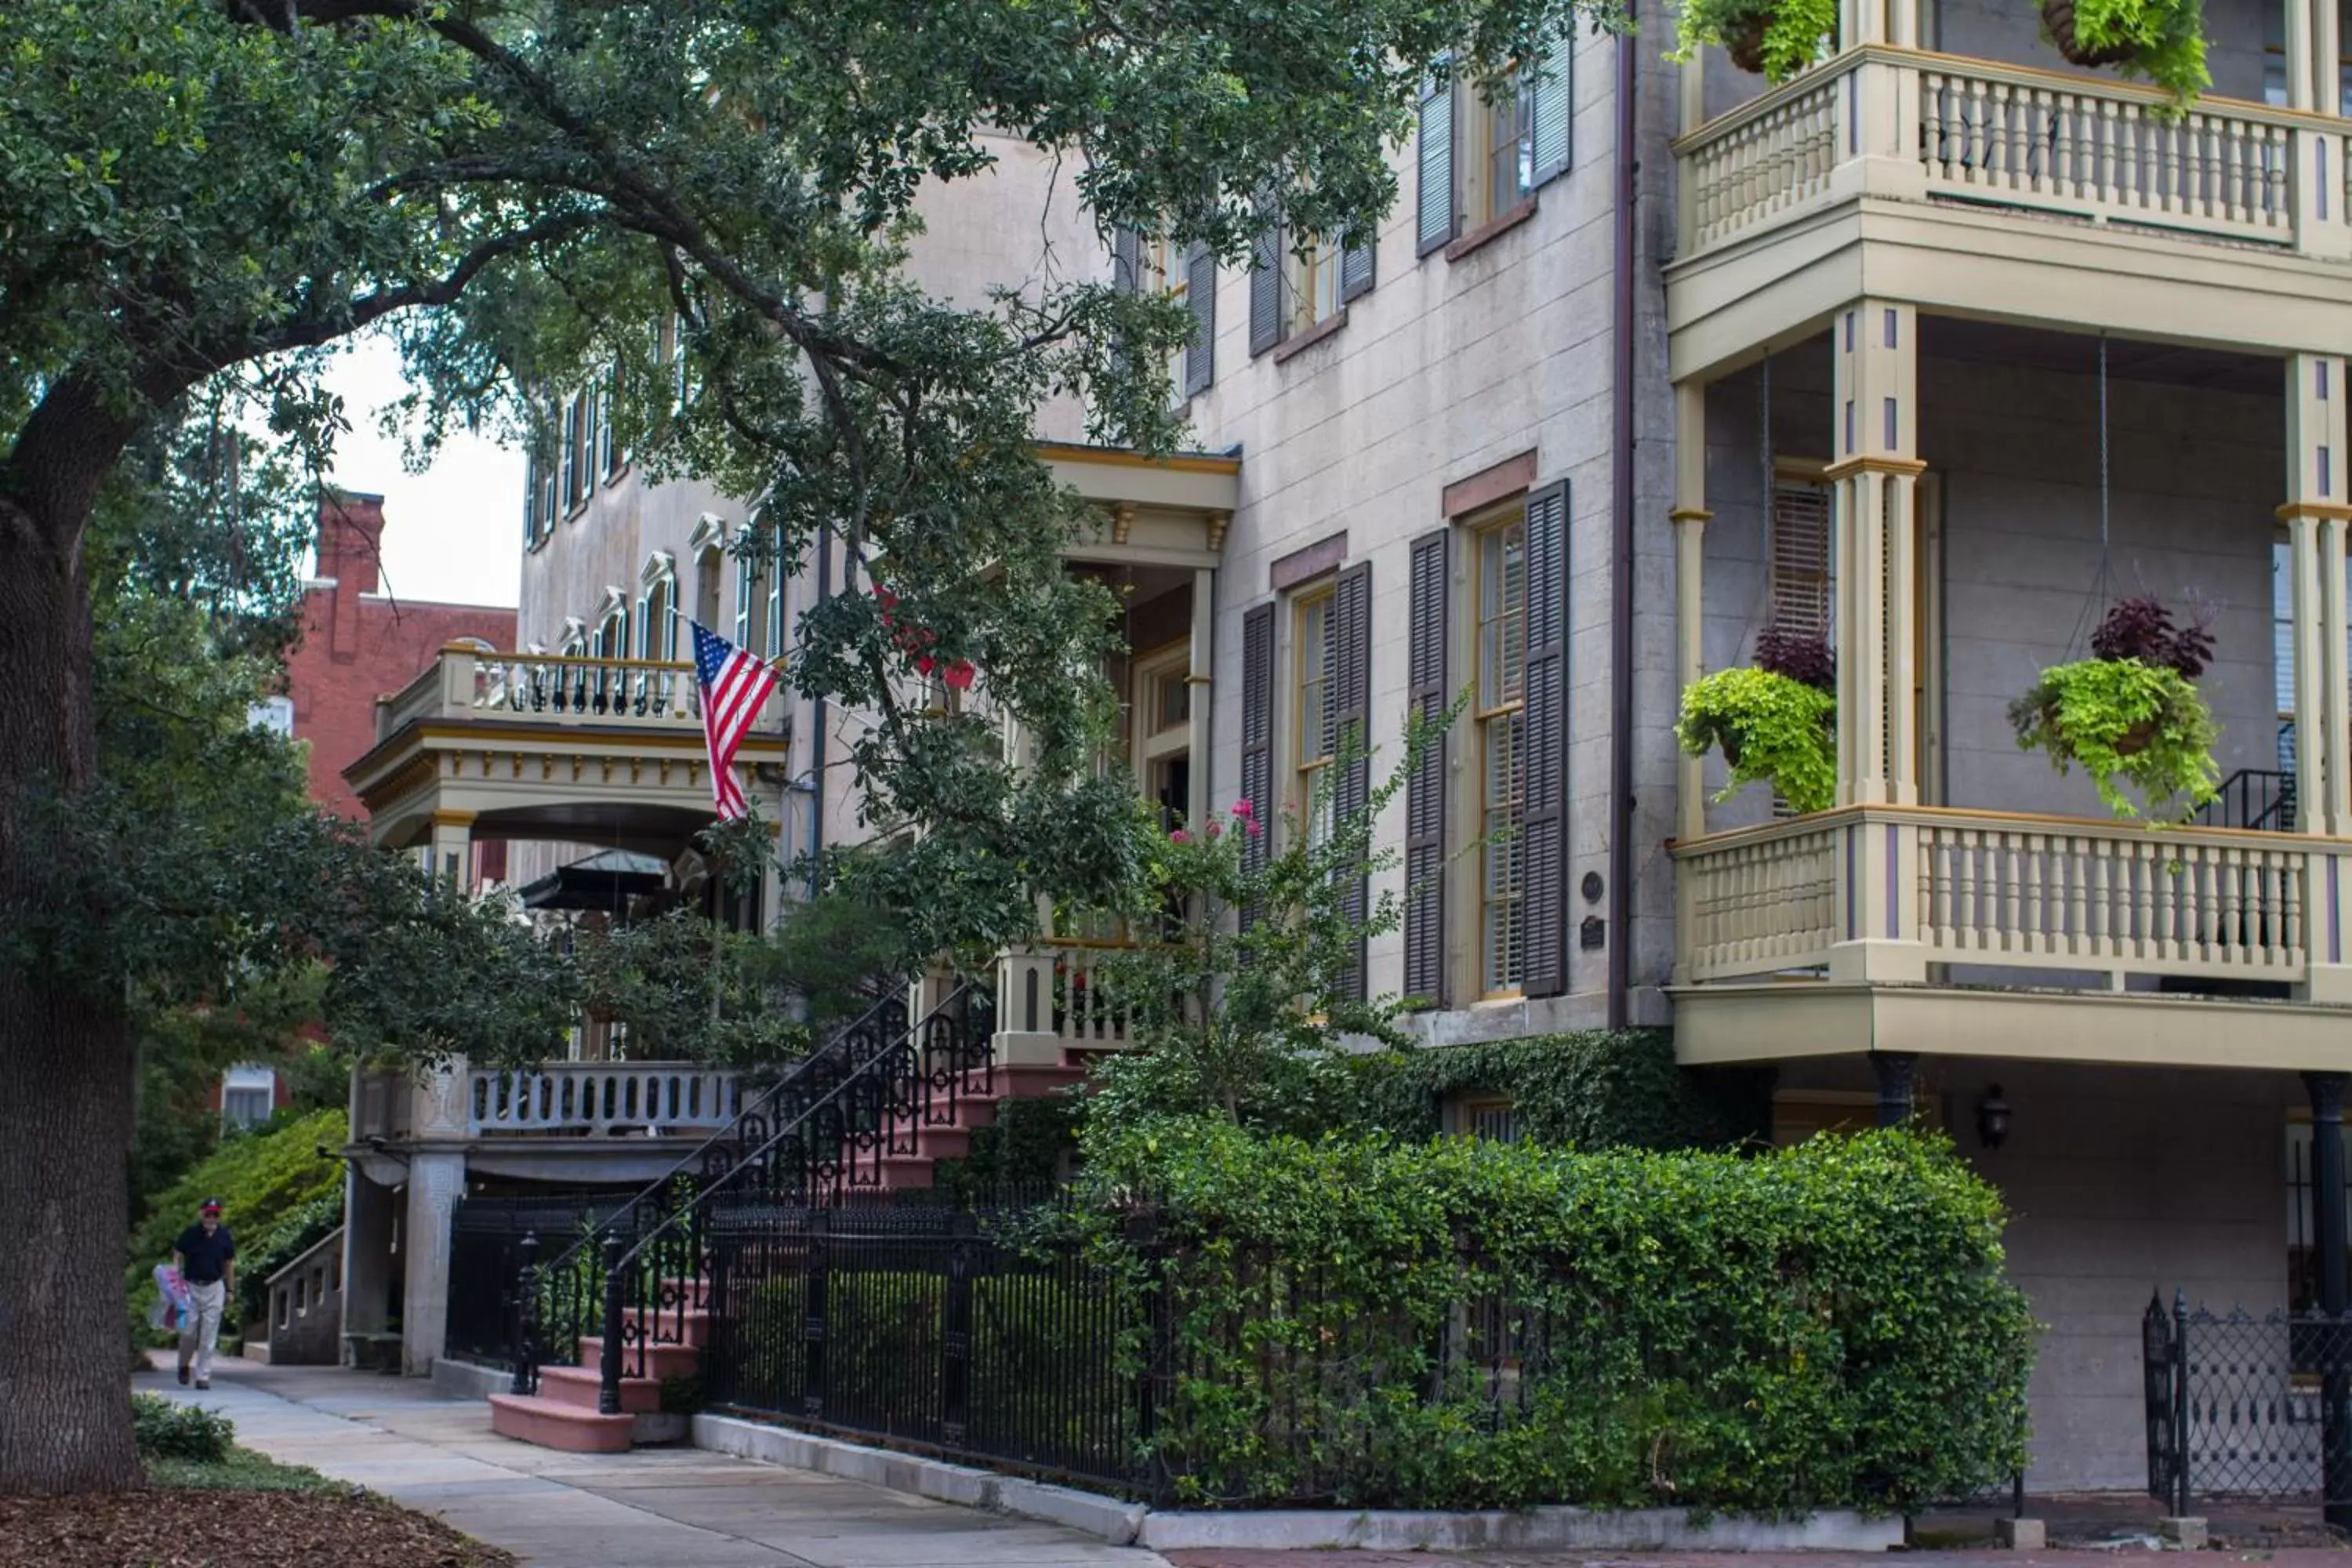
2246,1407
937,1330
490,1241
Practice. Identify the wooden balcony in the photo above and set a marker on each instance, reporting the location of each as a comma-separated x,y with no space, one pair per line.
2006,192
513,745
1971,932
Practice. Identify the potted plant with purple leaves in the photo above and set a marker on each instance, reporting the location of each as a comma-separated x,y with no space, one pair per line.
2130,713
1775,721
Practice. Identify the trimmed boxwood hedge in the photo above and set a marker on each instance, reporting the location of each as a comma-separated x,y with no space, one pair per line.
1467,1324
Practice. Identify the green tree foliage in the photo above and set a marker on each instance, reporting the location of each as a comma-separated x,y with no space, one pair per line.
279,1193
1241,988
1468,1324
199,194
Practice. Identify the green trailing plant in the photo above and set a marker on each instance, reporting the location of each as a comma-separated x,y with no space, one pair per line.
1775,37
2121,721
1771,728
1461,1323
2160,41
2130,713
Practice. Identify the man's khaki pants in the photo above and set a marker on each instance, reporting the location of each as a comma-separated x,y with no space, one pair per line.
205,1303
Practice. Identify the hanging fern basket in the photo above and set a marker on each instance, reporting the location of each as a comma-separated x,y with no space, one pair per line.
2058,16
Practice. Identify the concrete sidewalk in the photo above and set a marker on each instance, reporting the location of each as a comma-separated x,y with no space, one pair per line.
657,1508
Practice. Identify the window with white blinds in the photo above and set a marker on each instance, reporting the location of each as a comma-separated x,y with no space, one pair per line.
1798,547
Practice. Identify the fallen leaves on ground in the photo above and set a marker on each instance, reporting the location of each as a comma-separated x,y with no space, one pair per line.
190,1528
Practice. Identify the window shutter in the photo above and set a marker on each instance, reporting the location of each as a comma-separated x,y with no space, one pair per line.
1125,259
1357,269
747,589
1348,713
571,461
531,504
774,572
1201,293
1436,195
1552,105
1266,290
1544,829
1425,788
590,439
1257,731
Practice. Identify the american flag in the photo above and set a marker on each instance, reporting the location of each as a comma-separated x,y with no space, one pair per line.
733,685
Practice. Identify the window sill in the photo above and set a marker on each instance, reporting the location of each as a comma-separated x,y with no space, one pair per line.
1492,229
1299,342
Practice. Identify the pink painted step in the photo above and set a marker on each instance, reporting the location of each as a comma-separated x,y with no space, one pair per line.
579,1387
659,1360
533,1418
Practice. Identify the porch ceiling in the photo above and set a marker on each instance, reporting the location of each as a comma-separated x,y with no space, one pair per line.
1731,304
1780,1021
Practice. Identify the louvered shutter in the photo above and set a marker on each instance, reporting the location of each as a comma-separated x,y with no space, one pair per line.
1348,655
747,591
1200,294
1257,732
531,504
1266,290
571,462
590,441
1553,102
1425,788
1543,833
1357,270
1126,250
1799,548
1436,197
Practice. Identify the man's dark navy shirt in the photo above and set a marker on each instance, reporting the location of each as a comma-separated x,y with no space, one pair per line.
204,1255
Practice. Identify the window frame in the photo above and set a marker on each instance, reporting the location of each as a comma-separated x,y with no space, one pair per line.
1479,532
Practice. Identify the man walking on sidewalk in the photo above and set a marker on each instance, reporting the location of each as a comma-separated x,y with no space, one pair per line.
206,1255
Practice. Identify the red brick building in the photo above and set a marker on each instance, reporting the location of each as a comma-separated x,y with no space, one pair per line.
359,644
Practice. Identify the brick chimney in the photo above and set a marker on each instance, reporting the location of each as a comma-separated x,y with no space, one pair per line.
351,538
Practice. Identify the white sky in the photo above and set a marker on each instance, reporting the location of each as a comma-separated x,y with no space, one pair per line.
452,533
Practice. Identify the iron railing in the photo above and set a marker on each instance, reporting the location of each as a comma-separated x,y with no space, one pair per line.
566,1292
839,1123
2255,799
2246,1407
490,1239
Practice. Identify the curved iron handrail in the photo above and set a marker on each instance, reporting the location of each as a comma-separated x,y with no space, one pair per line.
871,1113
749,1119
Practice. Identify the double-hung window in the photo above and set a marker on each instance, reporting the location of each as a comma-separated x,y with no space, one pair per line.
1300,281
1487,147
1313,735
1500,716
1154,263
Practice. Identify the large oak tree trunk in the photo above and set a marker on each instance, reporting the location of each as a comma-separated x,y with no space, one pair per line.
66,1075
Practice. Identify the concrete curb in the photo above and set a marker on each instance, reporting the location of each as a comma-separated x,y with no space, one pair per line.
469,1380
1115,1521
1525,1530
1133,1523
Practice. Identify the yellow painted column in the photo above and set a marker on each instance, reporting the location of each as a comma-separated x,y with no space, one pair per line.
1197,681
1690,517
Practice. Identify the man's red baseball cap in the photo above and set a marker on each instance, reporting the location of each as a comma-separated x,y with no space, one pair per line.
212,1206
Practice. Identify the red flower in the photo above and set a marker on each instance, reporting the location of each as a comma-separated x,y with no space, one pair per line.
1179,836
959,674
1243,809
924,664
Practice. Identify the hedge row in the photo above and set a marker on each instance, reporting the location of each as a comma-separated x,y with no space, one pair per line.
1467,1324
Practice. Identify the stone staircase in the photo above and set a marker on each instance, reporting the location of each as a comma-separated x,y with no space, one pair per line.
563,1415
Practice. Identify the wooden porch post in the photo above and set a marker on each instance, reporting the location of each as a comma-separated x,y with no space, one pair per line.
2316,513
1874,490
1198,678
